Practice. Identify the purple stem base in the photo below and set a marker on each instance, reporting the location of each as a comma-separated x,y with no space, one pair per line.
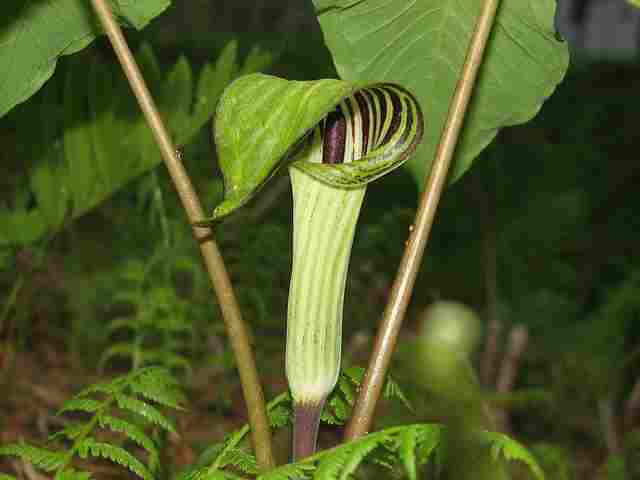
305,429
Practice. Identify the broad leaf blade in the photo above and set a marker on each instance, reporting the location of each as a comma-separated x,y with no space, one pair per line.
422,45
259,118
103,134
35,34
48,177
77,136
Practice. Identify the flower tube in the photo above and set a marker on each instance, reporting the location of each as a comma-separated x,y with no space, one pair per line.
366,136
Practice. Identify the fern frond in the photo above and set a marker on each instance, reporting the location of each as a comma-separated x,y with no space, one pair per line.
205,474
391,391
412,444
221,455
345,384
240,459
358,453
152,383
554,460
157,384
42,458
336,411
292,471
218,453
407,450
502,445
108,388
70,432
279,416
133,433
90,447
429,441
81,404
332,465
130,393
280,411
148,412
71,474
350,379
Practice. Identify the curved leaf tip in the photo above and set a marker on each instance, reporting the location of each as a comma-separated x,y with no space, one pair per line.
259,120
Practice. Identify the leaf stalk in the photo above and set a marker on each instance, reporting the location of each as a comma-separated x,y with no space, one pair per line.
236,327
404,282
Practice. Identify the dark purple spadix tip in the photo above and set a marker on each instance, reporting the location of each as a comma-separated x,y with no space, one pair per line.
305,429
335,131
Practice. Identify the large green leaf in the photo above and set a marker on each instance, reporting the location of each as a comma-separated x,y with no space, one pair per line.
92,138
258,120
421,44
35,33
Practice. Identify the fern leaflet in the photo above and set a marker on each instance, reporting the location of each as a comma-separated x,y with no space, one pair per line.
511,450
71,474
407,450
127,394
133,433
149,412
91,447
42,458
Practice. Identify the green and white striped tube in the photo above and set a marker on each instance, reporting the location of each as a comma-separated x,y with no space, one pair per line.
369,134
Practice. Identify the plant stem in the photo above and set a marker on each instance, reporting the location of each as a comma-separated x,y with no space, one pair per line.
305,429
609,425
385,341
236,328
506,381
632,406
487,216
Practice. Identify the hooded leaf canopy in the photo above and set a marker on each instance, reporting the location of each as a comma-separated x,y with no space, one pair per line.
262,123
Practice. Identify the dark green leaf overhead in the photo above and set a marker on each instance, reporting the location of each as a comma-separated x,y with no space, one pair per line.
35,34
421,44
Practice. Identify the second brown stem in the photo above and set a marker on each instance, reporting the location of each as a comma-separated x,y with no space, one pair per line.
385,341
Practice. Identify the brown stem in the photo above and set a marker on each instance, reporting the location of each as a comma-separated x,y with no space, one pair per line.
490,353
516,346
305,429
609,426
385,341
486,207
236,328
632,407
